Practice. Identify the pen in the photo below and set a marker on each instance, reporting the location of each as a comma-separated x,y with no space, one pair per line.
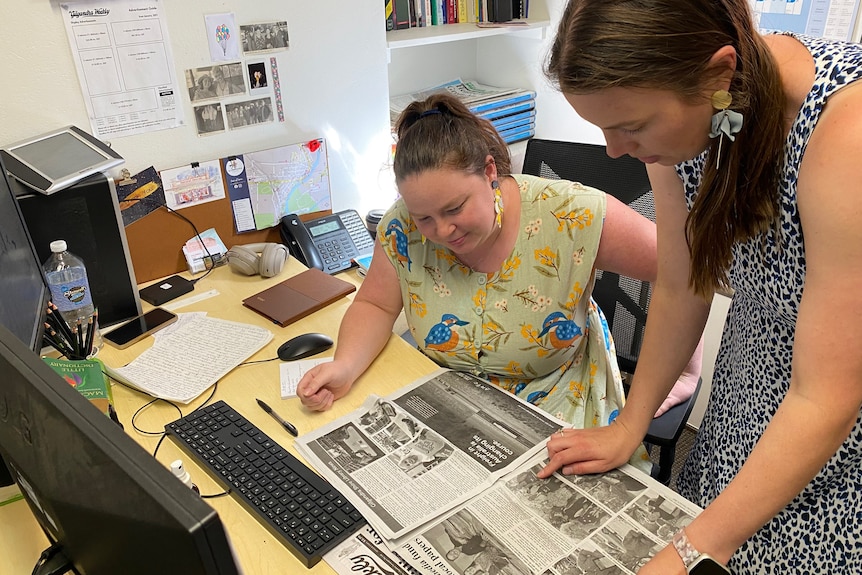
285,424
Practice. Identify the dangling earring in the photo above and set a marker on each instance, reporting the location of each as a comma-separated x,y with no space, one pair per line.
724,122
498,203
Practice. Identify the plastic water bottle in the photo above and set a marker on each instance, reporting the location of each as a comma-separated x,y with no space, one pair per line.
70,290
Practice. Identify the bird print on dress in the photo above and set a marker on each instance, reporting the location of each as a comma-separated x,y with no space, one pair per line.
561,330
398,240
441,337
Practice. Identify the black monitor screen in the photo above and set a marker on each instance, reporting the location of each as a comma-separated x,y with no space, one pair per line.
109,506
23,292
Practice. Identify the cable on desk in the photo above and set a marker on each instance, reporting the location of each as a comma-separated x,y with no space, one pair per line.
257,361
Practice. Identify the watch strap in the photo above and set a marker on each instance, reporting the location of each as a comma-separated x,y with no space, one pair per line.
686,550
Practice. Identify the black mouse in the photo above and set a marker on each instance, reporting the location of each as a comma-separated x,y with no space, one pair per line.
304,345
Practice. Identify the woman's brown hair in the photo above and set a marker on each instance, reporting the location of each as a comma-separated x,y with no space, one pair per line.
441,132
667,45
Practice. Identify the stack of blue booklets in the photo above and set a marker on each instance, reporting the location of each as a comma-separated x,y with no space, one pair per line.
512,111
513,116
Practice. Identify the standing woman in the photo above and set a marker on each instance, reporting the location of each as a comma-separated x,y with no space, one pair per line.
753,145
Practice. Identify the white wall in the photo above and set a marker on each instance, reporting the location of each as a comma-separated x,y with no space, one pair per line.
333,81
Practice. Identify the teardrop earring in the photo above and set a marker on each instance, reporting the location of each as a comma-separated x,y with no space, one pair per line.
725,122
498,203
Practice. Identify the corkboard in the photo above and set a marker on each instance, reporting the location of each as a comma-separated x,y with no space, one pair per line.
156,240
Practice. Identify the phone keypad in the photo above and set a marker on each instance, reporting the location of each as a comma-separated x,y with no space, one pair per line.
357,230
337,249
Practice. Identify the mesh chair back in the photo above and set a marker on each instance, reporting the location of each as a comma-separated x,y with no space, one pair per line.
623,300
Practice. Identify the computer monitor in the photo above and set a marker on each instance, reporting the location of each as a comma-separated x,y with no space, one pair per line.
23,291
104,502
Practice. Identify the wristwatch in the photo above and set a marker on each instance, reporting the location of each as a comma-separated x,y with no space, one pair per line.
696,563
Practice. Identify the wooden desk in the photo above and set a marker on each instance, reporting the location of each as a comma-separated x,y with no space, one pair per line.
258,553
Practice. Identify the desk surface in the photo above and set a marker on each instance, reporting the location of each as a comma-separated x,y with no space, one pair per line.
21,539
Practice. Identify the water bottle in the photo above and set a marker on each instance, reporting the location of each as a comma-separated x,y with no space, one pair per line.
70,290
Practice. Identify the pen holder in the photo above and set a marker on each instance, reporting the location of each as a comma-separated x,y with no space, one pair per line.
76,340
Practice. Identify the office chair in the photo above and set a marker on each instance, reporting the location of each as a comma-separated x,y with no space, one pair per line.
623,300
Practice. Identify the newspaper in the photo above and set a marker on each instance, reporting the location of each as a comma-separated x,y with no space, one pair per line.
445,472
468,91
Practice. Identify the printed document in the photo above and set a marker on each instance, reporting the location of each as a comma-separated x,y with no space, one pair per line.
125,66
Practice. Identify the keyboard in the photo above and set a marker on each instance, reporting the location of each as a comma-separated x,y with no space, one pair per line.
301,509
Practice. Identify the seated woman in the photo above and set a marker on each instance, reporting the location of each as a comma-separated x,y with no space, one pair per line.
494,272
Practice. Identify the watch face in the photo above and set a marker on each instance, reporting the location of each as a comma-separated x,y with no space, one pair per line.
706,565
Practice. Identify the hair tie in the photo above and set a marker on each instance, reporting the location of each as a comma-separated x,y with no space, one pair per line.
429,112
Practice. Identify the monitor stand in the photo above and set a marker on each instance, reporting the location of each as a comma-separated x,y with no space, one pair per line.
53,562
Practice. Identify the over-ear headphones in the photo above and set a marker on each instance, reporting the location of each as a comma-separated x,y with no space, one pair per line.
245,259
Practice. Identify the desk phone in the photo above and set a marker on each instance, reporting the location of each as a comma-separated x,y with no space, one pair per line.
329,243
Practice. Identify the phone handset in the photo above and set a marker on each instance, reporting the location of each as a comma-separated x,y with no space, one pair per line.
295,236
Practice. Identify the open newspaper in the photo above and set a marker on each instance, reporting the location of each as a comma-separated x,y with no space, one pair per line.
445,472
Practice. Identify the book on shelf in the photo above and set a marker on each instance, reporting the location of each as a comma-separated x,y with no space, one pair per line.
471,93
507,110
87,377
389,14
452,458
507,130
518,133
402,10
499,102
505,122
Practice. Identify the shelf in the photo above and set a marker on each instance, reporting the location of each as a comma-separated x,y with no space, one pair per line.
453,32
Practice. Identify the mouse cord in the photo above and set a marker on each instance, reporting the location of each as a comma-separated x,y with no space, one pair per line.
257,361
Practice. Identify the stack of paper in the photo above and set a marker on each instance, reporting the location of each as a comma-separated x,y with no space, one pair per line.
511,110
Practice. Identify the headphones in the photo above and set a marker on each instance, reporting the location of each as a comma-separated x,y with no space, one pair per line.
245,259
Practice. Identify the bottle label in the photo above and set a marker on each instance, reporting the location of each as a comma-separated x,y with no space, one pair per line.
70,296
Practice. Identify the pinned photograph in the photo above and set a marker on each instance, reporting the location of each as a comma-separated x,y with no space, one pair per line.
249,113
209,119
216,81
264,37
258,76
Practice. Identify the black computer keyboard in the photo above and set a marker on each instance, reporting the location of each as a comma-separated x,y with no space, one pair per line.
298,507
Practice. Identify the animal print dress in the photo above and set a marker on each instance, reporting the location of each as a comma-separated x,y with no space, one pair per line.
820,531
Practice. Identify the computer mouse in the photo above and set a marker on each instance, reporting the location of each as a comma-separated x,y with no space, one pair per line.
304,345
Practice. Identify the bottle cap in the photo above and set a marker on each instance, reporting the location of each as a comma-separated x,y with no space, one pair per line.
58,246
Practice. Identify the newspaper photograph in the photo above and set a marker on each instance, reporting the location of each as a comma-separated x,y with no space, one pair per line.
610,523
407,459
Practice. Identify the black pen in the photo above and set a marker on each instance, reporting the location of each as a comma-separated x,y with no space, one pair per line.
285,424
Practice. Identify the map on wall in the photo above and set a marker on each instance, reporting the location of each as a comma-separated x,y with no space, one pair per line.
831,19
267,185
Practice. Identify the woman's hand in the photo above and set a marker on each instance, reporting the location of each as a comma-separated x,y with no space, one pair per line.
323,384
582,451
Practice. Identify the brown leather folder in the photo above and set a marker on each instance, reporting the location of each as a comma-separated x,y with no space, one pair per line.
298,296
